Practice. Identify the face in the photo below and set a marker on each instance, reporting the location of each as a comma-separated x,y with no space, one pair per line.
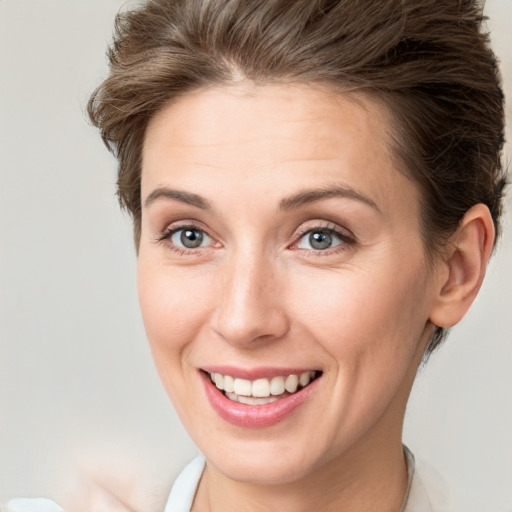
281,257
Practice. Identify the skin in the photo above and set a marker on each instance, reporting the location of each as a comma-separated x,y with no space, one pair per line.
255,294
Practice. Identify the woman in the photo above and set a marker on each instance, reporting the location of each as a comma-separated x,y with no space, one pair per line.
315,189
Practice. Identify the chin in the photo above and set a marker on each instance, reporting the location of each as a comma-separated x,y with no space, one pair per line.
282,460
263,469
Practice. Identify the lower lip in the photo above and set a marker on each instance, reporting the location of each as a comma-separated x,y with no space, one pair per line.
254,416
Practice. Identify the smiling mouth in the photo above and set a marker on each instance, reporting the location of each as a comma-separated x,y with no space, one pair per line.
262,391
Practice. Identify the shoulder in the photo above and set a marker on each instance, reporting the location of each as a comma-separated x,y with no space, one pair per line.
102,487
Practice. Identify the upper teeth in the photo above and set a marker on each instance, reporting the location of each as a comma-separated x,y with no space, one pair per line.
262,387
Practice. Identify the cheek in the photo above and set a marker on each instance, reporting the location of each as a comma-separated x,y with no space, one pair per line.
174,304
370,326
366,315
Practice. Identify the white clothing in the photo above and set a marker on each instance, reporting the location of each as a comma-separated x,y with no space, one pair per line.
31,505
185,486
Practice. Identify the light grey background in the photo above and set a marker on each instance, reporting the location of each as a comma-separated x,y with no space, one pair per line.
76,376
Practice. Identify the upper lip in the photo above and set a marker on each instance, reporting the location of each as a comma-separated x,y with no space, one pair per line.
257,372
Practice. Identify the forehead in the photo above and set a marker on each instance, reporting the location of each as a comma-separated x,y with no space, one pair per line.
281,136
275,115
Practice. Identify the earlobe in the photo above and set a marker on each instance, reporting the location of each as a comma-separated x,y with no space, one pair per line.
463,266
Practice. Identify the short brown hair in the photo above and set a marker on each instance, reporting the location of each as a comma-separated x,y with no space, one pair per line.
428,60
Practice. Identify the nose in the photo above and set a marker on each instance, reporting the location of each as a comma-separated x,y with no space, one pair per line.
250,309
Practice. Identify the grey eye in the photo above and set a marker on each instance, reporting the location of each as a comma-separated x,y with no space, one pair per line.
320,240
190,238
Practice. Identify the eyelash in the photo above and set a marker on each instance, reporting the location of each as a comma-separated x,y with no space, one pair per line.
346,241
169,232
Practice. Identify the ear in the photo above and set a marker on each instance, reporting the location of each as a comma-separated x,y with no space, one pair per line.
461,268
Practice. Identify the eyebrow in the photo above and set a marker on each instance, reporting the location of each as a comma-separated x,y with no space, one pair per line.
177,195
311,196
288,203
